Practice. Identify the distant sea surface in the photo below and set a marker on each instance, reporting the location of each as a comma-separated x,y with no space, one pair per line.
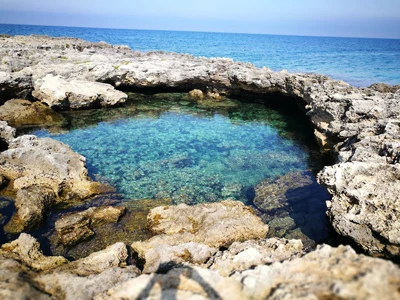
358,61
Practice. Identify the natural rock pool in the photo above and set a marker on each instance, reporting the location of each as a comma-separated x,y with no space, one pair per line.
170,146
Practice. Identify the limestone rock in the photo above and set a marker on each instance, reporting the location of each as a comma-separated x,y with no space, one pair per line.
16,282
329,273
19,112
366,204
213,224
87,277
163,257
7,133
27,250
43,172
58,93
179,283
32,204
243,256
75,227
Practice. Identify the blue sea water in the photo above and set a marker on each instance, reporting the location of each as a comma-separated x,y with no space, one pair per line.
358,61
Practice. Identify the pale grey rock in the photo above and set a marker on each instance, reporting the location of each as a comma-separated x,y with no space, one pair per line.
7,133
243,256
26,249
365,204
59,93
328,273
16,282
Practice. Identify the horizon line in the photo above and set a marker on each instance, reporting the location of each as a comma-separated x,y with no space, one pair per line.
199,31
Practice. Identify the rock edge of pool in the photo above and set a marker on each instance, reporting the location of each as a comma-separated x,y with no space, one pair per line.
212,250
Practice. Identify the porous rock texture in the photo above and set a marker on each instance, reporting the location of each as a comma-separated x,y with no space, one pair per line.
327,273
212,224
359,125
43,172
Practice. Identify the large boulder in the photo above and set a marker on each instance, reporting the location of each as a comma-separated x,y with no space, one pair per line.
43,172
212,224
60,94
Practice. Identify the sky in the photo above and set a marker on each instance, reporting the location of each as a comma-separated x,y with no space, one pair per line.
347,18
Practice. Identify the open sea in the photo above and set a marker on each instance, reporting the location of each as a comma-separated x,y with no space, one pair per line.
358,61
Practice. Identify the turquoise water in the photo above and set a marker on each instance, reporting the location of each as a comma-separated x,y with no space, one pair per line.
165,146
358,61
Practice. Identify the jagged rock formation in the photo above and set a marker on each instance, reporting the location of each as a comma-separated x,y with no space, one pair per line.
360,126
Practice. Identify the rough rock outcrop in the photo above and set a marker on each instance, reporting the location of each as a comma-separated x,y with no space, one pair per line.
20,112
243,256
356,124
212,224
327,273
26,249
43,172
59,93
75,227
7,133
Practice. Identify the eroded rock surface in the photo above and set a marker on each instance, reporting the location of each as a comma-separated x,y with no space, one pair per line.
27,250
212,224
75,227
356,124
43,172
59,93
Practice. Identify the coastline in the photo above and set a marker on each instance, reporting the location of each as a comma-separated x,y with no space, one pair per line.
359,127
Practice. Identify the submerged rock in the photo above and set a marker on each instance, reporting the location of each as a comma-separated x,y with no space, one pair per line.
274,194
19,112
60,94
75,227
212,224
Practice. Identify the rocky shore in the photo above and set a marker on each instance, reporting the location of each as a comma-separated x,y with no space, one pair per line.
215,250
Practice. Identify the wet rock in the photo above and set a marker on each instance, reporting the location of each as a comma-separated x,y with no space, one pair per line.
32,204
60,94
76,227
213,224
243,256
27,250
87,277
274,194
196,94
19,112
365,204
43,172
329,273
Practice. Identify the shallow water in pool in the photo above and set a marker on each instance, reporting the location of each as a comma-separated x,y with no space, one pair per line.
165,146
